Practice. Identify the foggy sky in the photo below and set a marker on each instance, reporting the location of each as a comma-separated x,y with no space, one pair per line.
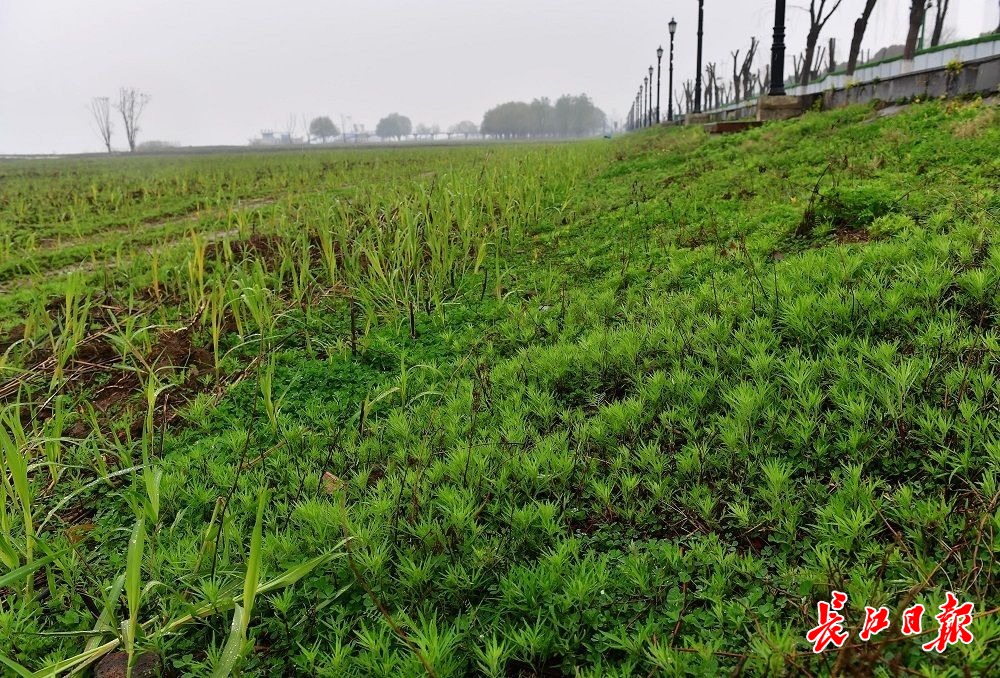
219,71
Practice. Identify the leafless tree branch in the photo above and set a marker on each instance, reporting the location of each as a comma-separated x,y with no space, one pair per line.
131,103
818,16
100,109
940,11
860,26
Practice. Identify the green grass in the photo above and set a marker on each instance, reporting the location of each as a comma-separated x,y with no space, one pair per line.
626,408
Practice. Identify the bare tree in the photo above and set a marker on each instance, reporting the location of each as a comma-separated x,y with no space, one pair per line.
131,103
860,26
710,89
291,127
745,71
832,66
100,108
736,74
799,72
818,59
818,16
940,10
918,8
743,81
308,132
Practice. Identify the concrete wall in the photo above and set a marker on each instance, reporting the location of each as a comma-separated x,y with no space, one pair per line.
927,62
741,111
927,75
982,76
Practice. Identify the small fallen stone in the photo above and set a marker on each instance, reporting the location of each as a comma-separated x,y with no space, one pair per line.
115,665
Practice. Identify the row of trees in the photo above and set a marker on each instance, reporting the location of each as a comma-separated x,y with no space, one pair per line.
132,102
396,126
570,116
815,60
130,105
820,13
392,126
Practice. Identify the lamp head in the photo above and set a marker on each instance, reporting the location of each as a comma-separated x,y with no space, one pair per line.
659,53
672,26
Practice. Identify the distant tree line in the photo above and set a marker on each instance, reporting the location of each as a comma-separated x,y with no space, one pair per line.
570,116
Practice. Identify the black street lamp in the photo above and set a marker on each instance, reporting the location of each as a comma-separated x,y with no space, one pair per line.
650,116
645,108
697,77
659,61
777,88
670,82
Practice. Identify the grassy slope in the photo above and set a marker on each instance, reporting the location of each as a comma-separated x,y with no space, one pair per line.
731,375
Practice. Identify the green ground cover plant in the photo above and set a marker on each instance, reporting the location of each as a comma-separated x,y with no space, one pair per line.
593,408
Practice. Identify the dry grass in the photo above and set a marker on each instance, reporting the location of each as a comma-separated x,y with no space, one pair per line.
975,126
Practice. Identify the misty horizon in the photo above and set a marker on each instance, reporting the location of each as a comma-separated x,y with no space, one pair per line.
220,72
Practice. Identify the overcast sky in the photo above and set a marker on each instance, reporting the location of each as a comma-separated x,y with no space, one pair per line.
219,71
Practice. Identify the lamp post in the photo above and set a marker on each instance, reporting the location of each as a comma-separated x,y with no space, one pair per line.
659,64
651,110
649,98
645,107
777,88
697,77
670,81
